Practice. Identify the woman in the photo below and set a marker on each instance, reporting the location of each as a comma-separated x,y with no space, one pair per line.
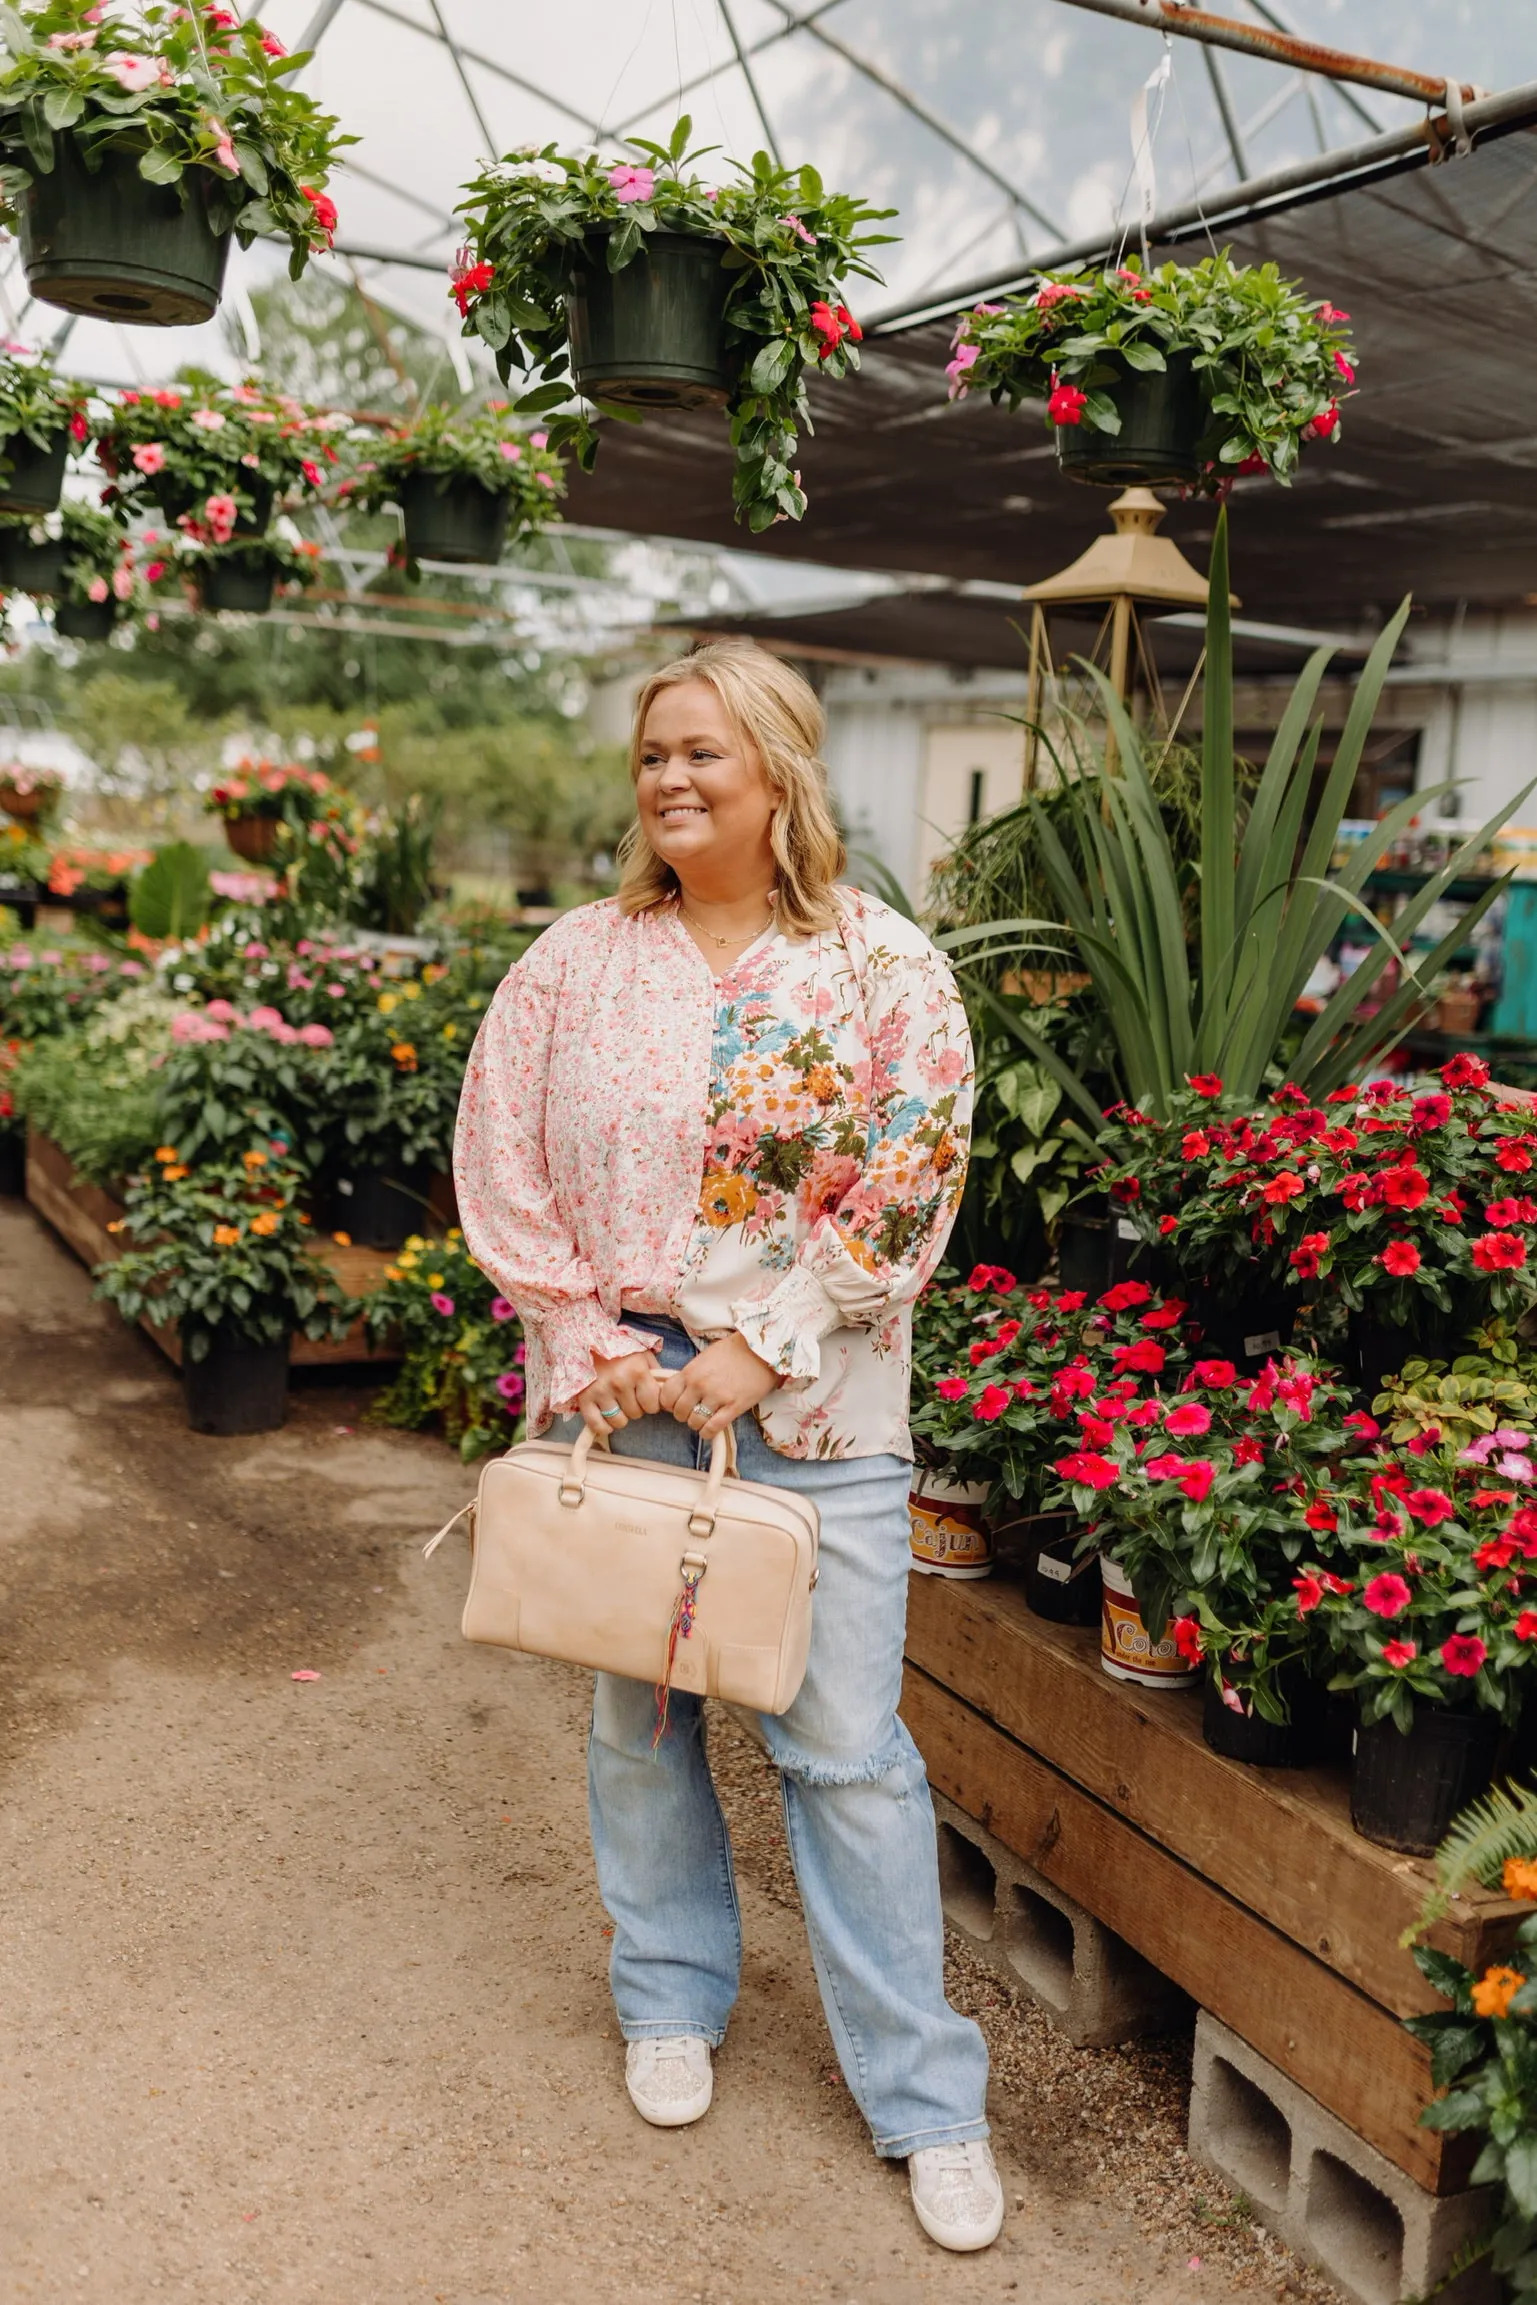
712,1140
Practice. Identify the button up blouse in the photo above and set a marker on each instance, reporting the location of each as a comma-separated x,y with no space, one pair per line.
779,1151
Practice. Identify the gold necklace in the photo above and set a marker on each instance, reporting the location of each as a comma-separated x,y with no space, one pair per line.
722,941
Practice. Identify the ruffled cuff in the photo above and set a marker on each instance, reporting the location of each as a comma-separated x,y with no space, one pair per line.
786,1328
574,1338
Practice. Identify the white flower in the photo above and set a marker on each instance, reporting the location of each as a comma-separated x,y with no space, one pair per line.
209,419
133,72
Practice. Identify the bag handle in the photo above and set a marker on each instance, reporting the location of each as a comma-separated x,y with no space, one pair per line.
701,1521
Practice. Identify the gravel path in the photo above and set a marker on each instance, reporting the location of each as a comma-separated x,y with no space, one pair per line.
303,1983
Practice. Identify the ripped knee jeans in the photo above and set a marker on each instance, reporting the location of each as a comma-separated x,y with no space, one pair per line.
857,1816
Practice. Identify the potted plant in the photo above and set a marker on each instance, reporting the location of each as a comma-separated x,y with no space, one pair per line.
461,1346
645,288
239,1073
223,572
1436,1633
133,143
42,416
1186,374
95,880
261,797
395,1092
97,579
460,478
30,794
216,458
13,1129
224,1251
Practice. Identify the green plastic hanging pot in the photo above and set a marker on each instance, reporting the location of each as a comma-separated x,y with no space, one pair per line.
451,516
105,243
35,481
29,567
240,580
1162,420
85,619
650,336
176,496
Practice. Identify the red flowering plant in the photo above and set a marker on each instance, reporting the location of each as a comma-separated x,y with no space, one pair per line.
1271,365
1211,1507
215,457
1441,1602
1047,1374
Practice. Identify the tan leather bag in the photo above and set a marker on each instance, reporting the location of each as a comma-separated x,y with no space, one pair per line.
692,1580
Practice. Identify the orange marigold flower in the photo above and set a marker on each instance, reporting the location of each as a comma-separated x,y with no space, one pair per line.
266,1223
1495,1991
254,1160
166,1152
404,1054
174,1174
344,1241
1519,1878
225,1236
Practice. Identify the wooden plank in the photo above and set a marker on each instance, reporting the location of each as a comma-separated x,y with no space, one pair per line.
81,1213
1335,2042
1279,1840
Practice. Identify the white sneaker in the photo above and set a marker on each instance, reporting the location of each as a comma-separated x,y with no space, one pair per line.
957,2194
671,2082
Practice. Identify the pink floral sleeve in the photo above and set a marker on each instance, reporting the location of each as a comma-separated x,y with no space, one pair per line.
507,1203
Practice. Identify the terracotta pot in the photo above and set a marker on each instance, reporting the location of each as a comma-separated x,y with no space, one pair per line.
24,805
253,837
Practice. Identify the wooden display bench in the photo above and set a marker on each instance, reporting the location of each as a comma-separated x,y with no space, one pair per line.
1248,1887
80,1214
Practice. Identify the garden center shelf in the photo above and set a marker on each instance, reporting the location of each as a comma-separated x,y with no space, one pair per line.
1246,1887
80,1214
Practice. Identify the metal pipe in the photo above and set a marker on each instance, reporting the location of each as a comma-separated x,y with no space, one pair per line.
1238,203
1277,47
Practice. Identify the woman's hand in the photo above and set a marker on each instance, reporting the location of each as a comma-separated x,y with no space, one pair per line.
727,1378
631,1384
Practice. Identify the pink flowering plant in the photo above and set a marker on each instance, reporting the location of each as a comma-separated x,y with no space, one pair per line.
47,988
223,1246
1038,1378
1272,365
788,246
281,788
1441,1603
481,444
101,563
36,405
235,1075
192,95
215,457
461,1347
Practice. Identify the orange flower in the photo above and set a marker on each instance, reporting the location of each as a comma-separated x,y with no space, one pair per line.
174,1174
342,1240
266,1223
404,1055
166,1152
254,1160
115,1224
822,1081
225,1236
726,1200
1520,1878
1495,1991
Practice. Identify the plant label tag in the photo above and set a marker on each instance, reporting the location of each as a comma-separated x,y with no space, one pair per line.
1059,1572
1269,1341
1125,1230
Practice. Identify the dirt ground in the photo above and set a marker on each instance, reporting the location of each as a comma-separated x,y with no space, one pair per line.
302,1984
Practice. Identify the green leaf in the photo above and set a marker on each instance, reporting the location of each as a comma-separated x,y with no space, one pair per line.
677,143
542,397
158,166
772,365
1138,353
1521,2174
38,136
252,167
170,897
62,107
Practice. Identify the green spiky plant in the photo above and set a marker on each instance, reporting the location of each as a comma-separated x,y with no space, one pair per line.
1219,999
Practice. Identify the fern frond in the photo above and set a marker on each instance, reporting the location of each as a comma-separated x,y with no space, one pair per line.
1501,1825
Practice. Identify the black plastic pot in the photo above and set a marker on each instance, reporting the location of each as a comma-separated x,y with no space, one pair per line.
378,1209
85,619
29,567
108,244
453,517
22,901
176,496
1248,1324
1378,1350
1098,1246
241,579
650,336
237,1387
1405,1790
1267,1744
35,481
1058,1586
13,1164
1162,419
109,905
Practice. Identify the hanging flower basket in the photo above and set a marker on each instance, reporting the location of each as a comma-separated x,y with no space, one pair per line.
653,335
35,564
35,481
253,837
452,519
462,480
180,500
85,619
240,578
215,458
1188,374
662,291
134,146
29,793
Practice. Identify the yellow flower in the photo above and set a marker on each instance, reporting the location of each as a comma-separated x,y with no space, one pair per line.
166,1152
174,1175
225,1236
1495,1991
454,1234
1520,1878
726,1200
450,1032
387,1002
434,1280
412,991
415,1243
254,1160
407,1264
266,1223
344,1241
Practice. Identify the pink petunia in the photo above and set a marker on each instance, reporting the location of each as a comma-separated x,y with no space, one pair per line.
442,1304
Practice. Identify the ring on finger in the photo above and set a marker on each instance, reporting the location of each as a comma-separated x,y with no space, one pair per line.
612,1412
701,1409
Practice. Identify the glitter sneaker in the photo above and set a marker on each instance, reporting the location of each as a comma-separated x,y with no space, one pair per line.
670,2080
957,2194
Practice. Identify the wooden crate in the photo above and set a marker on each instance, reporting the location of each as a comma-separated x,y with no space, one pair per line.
1247,1886
80,1214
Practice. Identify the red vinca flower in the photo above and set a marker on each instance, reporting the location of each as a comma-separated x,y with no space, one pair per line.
1465,1072
1463,1654
1499,1252
1086,1470
1403,1186
1401,1653
1400,1258
1206,1083
995,1399
1284,1187
1512,1154
1387,1596
1066,404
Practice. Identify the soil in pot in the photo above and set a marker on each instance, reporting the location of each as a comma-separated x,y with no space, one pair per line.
651,335
108,244
242,581
1126,1650
1162,419
237,1387
85,619
1042,1550
176,496
253,837
1405,1790
1294,1744
379,1209
453,518
13,1164
35,481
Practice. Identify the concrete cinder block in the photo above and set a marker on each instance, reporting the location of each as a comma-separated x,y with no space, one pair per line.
1378,2236
1090,1982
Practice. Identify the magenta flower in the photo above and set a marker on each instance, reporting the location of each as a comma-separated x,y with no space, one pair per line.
1463,1655
631,183
955,369
502,1310
442,1304
317,1036
511,1387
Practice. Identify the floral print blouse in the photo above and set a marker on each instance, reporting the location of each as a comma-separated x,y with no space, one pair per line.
779,1151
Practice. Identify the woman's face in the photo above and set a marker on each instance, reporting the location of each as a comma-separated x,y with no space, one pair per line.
703,798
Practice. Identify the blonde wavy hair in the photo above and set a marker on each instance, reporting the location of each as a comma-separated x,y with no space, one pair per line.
772,708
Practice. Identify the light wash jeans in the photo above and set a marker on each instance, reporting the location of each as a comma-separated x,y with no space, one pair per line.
857,1815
